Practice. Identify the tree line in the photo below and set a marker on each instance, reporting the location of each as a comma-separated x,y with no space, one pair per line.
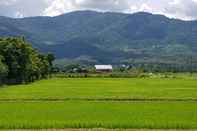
21,63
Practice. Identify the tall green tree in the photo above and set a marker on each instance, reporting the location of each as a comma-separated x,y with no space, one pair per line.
24,63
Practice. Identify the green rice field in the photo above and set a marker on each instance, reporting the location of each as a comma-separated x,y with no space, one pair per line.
139,103
103,88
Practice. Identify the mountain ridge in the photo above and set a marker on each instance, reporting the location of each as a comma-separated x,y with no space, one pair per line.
99,12
115,37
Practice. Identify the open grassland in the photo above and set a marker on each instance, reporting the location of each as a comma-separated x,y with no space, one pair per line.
83,114
139,103
104,89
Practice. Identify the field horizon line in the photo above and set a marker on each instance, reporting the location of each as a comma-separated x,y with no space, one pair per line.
101,100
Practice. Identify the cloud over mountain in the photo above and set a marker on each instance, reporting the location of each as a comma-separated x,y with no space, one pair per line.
183,9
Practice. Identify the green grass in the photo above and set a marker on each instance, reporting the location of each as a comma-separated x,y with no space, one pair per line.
103,88
83,114
100,103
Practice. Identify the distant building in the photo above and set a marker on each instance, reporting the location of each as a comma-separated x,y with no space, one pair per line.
104,68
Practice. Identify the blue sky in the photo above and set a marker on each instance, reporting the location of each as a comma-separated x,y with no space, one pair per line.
182,9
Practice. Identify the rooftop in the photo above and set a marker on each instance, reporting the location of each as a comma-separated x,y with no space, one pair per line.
104,67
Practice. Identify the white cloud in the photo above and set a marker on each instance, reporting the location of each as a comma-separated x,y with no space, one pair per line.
184,9
62,6
7,2
19,15
195,1
58,7
145,8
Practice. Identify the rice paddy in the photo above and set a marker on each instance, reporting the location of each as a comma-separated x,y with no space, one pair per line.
139,103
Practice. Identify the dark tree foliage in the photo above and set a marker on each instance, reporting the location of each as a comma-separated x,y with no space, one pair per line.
3,70
20,63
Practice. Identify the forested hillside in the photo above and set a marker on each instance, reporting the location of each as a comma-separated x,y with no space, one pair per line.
95,37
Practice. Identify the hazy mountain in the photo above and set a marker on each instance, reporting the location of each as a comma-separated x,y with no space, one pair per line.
108,37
